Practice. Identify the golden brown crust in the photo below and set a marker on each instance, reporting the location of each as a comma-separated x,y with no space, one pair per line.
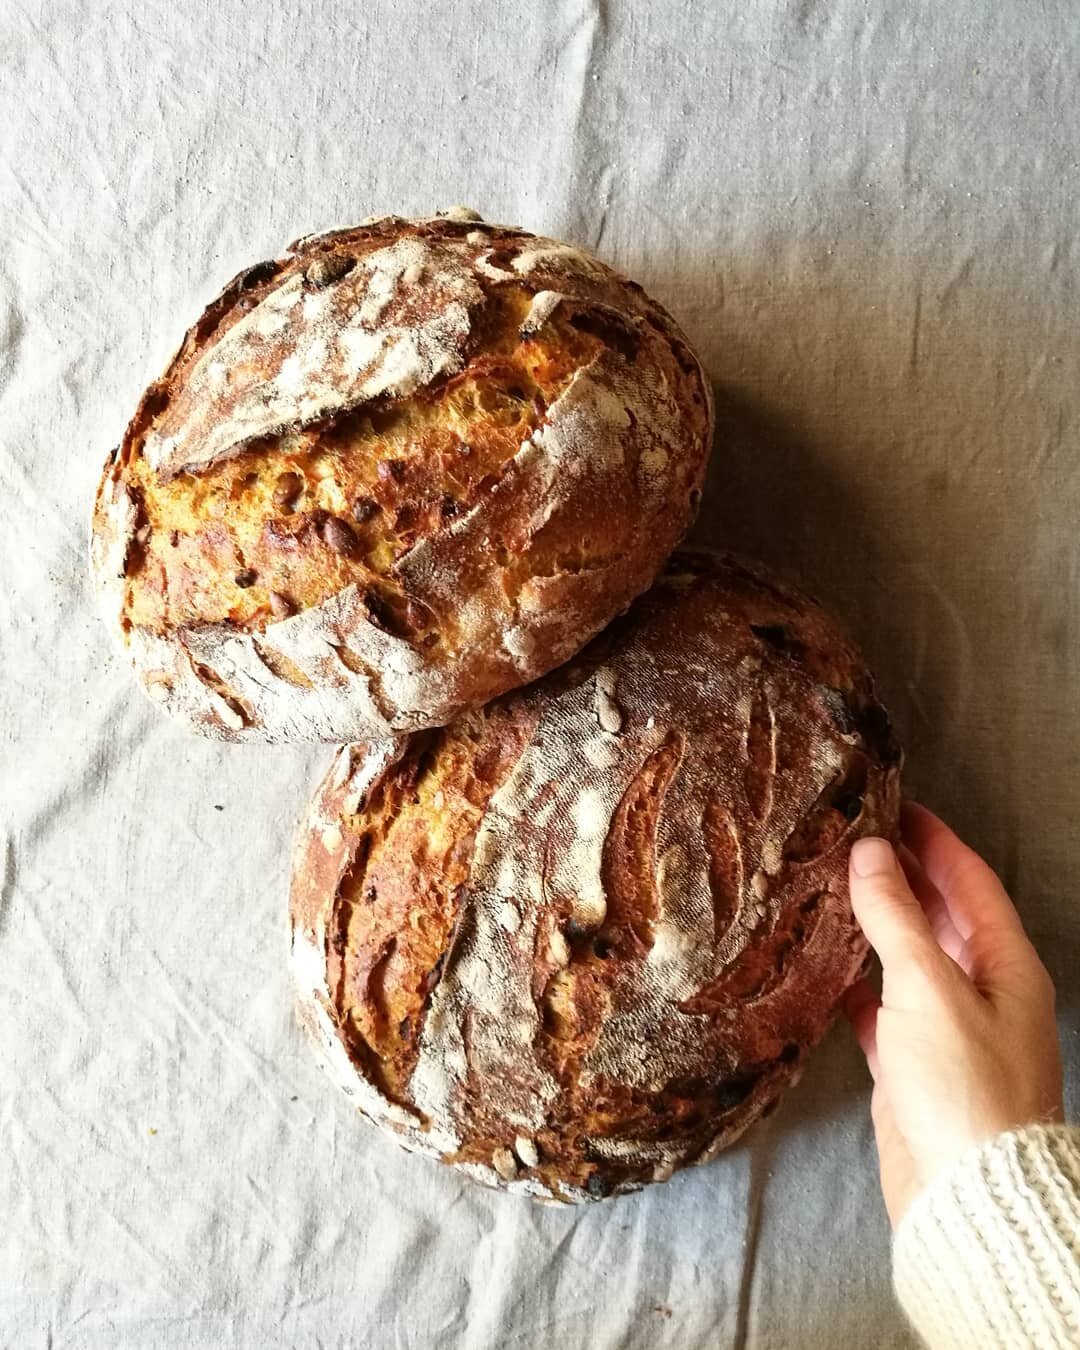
400,470
586,935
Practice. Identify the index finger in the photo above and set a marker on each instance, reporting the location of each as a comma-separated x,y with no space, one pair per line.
973,894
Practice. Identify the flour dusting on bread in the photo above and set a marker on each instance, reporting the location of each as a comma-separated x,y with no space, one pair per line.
486,593
655,917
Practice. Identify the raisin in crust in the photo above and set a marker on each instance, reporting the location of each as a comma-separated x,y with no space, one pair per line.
586,935
401,470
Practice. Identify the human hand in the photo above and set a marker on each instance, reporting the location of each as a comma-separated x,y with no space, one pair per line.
962,1043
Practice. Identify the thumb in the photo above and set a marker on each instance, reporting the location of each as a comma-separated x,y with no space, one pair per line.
886,907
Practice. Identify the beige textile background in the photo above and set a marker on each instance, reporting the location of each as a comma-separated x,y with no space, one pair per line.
865,217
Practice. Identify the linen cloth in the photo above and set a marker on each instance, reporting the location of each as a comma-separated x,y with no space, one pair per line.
864,216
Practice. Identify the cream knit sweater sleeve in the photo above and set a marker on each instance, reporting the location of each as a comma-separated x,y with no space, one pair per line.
988,1256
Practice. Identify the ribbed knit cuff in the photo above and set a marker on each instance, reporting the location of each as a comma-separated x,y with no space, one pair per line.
988,1255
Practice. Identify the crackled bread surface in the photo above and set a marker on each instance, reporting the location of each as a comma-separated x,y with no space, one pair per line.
393,474
586,935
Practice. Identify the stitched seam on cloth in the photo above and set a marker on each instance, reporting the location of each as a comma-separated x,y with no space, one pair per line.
751,1235
7,881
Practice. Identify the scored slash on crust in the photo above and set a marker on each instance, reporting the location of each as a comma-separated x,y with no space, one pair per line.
316,339
659,906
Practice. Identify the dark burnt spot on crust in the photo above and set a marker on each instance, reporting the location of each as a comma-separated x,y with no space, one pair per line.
501,257
733,1090
683,1117
255,276
233,301
685,357
838,705
574,931
185,581
614,329
287,490
402,616
857,712
827,821
778,637
756,1015
338,535
423,505
598,1186
875,727
686,1098
379,610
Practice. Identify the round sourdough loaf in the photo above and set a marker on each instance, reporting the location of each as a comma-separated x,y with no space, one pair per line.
393,474
585,935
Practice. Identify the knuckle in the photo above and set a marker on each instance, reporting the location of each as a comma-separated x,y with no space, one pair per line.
1007,954
1002,945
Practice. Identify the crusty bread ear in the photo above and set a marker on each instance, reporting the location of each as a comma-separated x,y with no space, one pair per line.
586,935
393,474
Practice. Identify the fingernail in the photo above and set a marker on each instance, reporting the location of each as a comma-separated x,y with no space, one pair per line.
871,857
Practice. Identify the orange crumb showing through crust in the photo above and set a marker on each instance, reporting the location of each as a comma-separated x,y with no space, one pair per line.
400,899
296,518
589,931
